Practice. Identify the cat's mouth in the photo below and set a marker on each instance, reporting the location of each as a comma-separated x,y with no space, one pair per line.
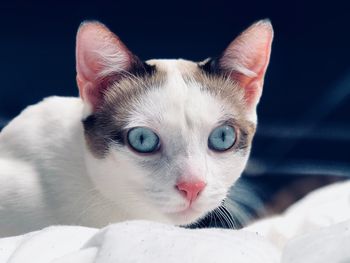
187,210
181,210
185,216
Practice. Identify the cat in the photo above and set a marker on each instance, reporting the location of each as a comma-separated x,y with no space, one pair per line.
159,140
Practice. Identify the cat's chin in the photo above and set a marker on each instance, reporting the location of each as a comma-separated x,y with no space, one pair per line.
185,217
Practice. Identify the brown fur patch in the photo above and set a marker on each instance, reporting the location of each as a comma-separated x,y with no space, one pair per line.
231,93
246,134
106,124
222,87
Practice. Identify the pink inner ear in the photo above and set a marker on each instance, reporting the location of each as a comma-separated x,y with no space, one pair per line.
99,54
247,58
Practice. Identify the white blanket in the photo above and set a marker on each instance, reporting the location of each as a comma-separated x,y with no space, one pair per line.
316,229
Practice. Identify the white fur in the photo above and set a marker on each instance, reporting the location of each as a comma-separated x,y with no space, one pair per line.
48,176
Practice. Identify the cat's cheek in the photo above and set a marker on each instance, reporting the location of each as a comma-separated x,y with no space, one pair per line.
235,170
112,174
227,168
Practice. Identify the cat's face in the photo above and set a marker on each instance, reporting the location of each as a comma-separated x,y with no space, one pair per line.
171,136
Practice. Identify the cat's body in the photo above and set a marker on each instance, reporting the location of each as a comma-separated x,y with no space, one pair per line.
76,161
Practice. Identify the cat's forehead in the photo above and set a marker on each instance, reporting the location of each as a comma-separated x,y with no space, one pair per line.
180,100
176,104
176,91
187,91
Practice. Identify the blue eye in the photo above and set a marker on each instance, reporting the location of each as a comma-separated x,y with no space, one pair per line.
143,140
222,138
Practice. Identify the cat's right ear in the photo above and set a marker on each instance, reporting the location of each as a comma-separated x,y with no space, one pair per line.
245,60
100,58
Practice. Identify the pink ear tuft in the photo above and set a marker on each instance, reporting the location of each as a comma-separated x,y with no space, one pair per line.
99,55
247,57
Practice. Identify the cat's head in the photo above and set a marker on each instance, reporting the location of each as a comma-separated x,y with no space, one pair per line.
169,137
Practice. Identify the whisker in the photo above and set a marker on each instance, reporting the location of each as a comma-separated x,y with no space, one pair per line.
229,219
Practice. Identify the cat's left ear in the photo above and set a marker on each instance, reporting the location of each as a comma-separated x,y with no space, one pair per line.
247,57
101,58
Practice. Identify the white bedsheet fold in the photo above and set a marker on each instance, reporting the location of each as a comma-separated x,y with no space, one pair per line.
315,230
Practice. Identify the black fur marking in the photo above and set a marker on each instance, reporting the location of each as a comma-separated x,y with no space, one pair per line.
118,137
100,133
106,126
140,68
211,66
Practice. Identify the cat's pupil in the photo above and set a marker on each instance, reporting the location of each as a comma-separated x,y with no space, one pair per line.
142,138
223,136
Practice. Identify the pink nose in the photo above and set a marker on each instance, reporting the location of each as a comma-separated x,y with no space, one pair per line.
190,189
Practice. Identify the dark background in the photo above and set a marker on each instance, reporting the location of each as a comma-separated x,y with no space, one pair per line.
303,138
